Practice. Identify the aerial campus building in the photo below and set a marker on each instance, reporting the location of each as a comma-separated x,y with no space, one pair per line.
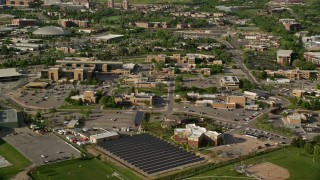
230,82
84,68
10,74
51,31
195,136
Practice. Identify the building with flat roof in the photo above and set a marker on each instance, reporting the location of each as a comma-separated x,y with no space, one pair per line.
196,136
87,97
104,137
140,99
313,57
58,74
35,85
24,22
295,120
284,57
91,63
230,82
311,43
9,74
296,74
10,118
21,3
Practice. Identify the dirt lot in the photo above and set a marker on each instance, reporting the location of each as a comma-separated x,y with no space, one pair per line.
243,145
269,171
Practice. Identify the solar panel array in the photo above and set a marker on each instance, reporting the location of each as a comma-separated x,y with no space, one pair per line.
149,154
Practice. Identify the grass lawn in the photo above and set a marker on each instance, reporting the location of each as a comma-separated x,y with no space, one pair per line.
155,91
188,75
299,166
135,60
18,161
76,107
81,169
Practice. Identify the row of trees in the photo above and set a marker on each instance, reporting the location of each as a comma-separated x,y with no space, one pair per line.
214,68
312,104
246,85
312,147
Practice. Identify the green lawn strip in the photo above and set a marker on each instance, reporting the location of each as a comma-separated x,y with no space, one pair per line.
81,169
300,166
18,161
154,91
76,107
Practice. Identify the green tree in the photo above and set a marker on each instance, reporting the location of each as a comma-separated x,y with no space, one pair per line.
4,50
301,142
52,110
38,115
308,147
294,142
177,70
316,150
246,85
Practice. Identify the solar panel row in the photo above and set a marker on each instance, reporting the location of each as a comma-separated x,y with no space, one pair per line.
149,154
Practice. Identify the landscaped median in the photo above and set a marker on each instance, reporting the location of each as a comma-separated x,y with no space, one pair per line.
71,107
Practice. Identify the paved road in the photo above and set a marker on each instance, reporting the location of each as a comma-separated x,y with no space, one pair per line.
237,55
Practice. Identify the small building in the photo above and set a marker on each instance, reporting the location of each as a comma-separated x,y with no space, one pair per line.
10,118
295,120
104,137
24,22
21,3
87,97
72,124
298,93
313,57
284,57
230,82
36,85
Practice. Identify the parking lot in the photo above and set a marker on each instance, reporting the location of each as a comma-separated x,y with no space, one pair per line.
238,116
111,119
42,149
205,83
264,135
51,97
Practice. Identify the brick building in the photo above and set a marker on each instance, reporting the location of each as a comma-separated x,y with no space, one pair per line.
196,136
21,3
24,22
284,57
